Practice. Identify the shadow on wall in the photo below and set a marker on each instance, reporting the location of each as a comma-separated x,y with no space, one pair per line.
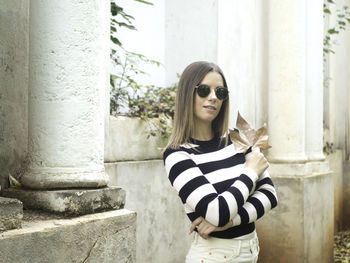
11,163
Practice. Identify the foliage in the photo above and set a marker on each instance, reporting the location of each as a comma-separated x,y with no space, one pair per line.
123,61
155,102
127,95
328,148
124,87
342,247
343,18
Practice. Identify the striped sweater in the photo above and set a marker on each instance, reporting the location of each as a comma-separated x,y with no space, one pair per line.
212,182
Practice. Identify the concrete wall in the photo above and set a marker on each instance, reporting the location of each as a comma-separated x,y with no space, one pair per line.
302,236
336,166
238,57
102,237
14,39
346,195
162,226
337,74
191,34
148,39
177,35
129,139
318,218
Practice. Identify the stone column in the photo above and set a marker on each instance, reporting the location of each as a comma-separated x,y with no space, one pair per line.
68,77
68,71
286,108
314,81
300,229
238,33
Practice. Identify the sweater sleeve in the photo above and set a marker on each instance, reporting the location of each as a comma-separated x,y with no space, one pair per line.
198,194
263,199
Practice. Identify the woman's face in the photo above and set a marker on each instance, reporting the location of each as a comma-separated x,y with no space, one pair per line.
206,109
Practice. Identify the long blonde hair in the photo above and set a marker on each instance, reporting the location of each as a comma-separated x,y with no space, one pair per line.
183,126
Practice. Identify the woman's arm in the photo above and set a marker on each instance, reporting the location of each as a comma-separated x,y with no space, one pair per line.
256,206
200,195
259,203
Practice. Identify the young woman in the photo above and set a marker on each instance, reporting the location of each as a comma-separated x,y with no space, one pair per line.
223,191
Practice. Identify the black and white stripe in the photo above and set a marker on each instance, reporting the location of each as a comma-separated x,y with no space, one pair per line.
215,184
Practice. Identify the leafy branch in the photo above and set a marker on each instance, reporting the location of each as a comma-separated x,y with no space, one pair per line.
146,102
343,18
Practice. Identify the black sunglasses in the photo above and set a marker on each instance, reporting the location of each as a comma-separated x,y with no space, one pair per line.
204,90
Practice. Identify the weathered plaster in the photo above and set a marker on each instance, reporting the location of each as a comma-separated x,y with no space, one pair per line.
162,225
335,160
70,201
14,38
346,195
101,237
300,228
67,80
129,139
11,214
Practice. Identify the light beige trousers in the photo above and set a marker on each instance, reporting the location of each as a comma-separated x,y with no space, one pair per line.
241,250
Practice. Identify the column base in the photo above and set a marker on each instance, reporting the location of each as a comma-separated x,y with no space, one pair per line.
298,169
300,228
60,178
70,201
317,156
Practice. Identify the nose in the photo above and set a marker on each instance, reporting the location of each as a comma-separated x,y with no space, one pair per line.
212,95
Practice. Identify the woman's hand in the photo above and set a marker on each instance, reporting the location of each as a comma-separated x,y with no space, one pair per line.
205,228
256,161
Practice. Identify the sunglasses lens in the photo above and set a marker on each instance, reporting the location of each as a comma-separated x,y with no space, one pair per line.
203,90
221,93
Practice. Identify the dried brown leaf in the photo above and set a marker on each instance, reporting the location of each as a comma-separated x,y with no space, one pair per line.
248,137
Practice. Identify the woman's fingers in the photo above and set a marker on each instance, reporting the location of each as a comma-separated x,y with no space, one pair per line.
256,161
205,229
196,223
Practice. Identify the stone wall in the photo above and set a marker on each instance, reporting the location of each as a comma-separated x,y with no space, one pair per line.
128,139
162,225
346,196
75,37
300,228
102,237
14,39
335,160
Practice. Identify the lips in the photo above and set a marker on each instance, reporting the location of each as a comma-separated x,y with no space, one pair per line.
209,107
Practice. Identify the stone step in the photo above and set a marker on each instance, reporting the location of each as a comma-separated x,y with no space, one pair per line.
11,213
102,237
70,202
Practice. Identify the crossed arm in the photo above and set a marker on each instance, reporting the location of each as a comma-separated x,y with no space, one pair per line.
200,195
261,201
246,200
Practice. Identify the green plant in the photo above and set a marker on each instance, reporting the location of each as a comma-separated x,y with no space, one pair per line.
328,148
343,18
124,86
155,102
129,97
124,62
